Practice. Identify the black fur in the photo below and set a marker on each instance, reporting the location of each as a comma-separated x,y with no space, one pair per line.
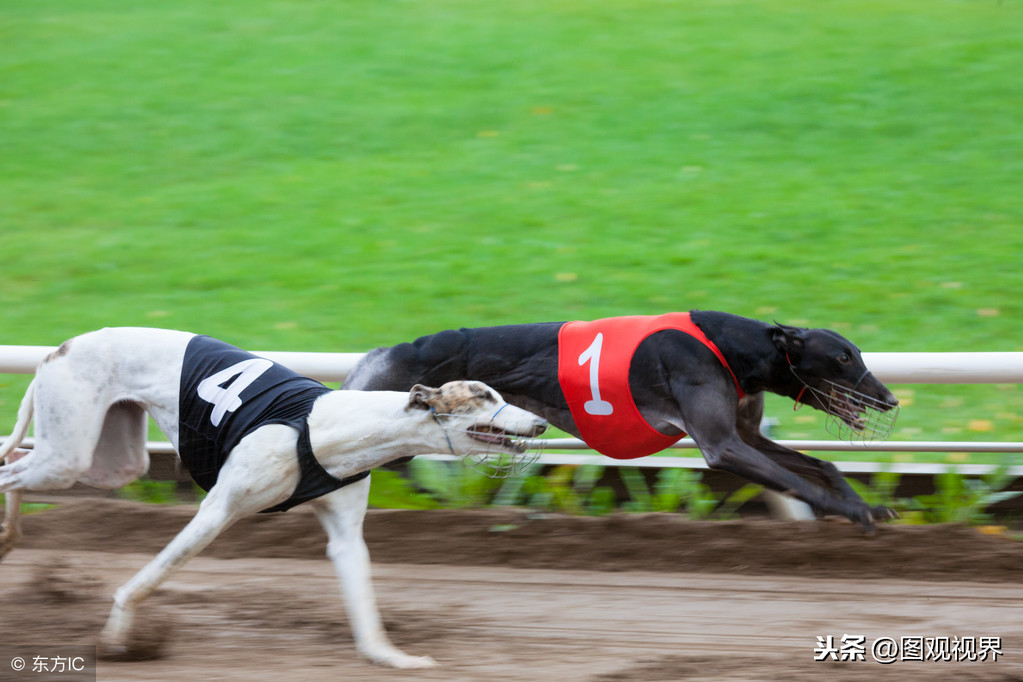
677,383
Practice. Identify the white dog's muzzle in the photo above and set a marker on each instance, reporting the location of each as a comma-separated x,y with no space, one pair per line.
495,452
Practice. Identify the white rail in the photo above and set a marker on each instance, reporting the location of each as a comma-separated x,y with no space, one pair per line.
319,366
916,468
892,368
155,447
832,445
946,368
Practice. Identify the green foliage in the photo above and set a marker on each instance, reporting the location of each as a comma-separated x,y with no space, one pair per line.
675,488
453,484
148,490
961,499
672,489
389,490
554,491
28,507
33,507
567,488
574,489
957,498
730,505
597,499
881,490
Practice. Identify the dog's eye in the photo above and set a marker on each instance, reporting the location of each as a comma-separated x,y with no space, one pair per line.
844,358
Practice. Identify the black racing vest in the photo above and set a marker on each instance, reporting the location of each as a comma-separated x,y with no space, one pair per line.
226,394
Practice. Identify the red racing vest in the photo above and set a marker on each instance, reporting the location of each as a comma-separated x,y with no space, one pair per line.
593,370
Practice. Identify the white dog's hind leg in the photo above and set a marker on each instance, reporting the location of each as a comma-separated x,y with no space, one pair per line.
120,455
341,514
69,417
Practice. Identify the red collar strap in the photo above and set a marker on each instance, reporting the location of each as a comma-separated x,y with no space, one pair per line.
792,368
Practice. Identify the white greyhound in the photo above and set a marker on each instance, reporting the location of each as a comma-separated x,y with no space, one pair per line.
90,398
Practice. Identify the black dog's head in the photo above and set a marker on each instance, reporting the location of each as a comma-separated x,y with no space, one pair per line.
832,368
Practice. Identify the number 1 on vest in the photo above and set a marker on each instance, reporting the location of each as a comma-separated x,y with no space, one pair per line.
596,406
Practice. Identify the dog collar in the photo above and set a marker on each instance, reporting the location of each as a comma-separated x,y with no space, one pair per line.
436,418
792,368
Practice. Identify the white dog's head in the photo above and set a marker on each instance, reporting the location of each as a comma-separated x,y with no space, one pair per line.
474,417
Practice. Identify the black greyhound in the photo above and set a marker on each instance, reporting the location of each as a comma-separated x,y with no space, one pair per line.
706,379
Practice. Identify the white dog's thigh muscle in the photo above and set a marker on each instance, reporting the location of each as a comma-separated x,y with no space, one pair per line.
120,455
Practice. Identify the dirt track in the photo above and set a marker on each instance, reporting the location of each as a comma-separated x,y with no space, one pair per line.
507,596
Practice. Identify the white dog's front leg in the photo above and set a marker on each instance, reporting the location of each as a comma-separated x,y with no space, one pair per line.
249,481
220,509
341,514
210,520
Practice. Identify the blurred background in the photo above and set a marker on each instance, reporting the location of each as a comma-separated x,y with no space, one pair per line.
329,176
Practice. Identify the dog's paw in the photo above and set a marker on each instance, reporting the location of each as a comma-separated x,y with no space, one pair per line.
868,516
8,538
862,515
397,659
883,513
145,641
394,657
414,662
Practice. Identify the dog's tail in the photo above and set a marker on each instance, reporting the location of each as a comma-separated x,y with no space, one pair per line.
10,531
24,419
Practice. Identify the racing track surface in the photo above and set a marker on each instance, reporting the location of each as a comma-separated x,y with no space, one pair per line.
505,595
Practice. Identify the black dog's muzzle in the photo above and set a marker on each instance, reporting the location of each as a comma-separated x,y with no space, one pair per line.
852,415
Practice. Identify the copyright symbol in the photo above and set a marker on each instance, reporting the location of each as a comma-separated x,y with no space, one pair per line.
18,663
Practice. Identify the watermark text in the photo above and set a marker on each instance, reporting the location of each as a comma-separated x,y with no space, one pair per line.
48,662
888,650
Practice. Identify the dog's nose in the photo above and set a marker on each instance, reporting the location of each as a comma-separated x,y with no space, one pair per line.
880,392
891,401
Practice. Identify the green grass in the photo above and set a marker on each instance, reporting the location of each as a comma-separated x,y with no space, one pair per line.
315,176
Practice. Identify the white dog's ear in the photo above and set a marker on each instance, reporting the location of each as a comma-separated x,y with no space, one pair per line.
421,397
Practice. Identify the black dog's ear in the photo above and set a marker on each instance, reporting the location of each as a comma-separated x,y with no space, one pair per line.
421,397
789,340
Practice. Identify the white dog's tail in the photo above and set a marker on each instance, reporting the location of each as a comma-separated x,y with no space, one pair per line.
24,419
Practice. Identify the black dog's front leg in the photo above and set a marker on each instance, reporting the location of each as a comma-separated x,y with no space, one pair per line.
817,471
736,457
822,472
710,418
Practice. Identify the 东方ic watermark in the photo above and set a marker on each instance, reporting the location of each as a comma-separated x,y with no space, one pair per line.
46,662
